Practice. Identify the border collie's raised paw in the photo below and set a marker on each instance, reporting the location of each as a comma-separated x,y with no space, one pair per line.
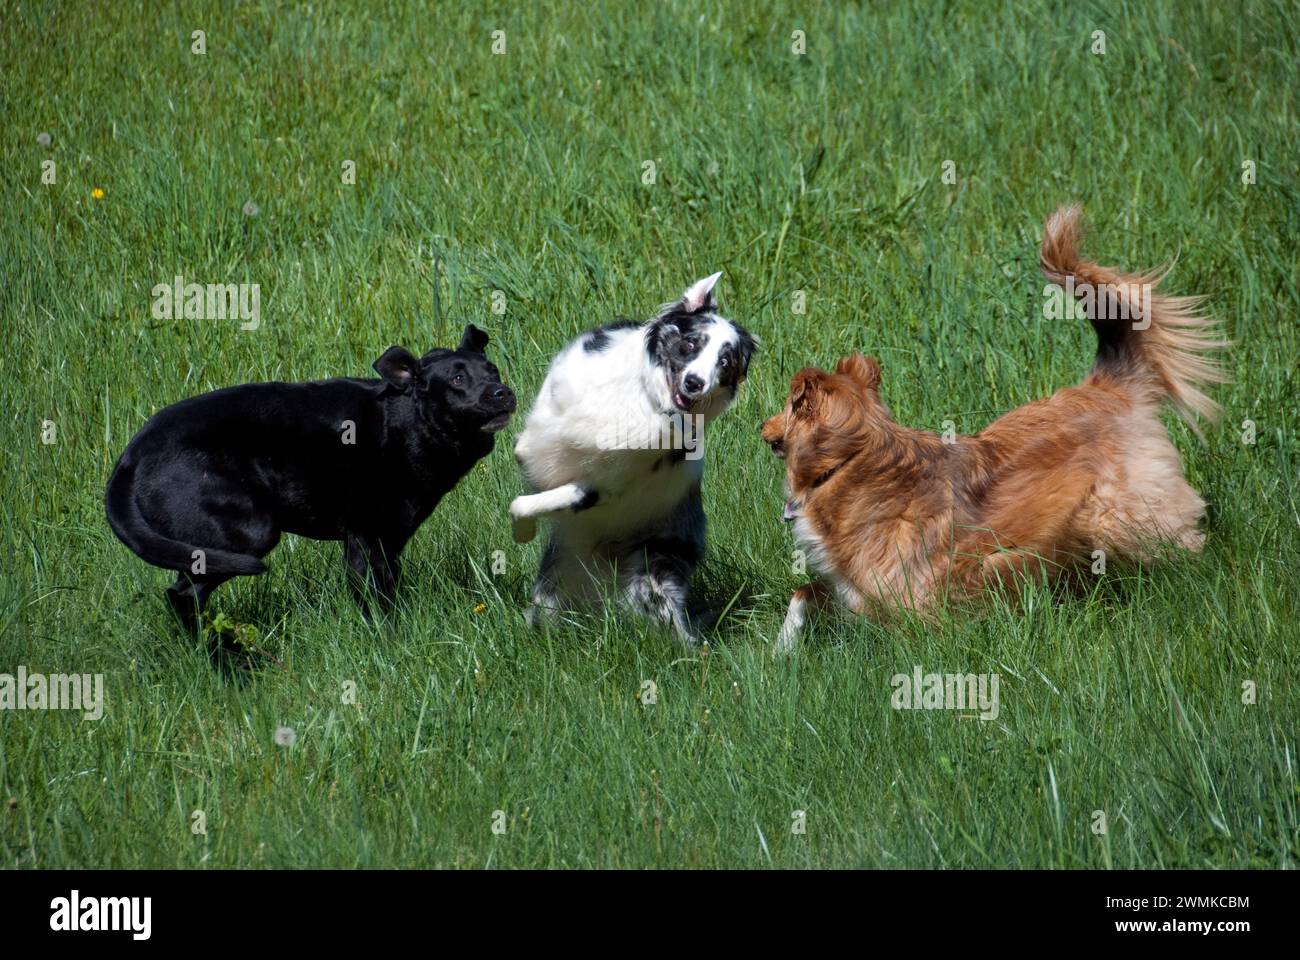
523,529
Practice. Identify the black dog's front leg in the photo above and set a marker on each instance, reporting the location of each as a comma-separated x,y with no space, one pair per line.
374,561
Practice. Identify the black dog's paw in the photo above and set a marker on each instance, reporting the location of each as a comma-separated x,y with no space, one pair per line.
235,645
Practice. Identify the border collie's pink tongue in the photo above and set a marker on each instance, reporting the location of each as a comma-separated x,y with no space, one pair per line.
791,510
681,401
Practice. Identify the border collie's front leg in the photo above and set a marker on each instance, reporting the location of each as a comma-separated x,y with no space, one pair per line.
807,600
525,510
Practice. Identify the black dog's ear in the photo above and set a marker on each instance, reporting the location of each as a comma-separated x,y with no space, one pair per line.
473,340
398,367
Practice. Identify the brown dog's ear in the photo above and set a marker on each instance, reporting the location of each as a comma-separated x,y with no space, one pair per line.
805,392
865,370
398,367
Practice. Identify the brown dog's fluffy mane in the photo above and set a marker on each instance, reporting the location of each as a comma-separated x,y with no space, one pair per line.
893,516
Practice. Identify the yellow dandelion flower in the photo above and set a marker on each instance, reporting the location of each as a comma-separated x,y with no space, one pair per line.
97,193
480,608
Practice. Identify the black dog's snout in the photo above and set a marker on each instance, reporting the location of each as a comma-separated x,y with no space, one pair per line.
692,384
503,395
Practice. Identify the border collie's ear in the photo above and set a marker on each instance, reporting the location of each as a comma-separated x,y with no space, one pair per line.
805,390
398,367
699,295
865,370
473,340
661,336
746,347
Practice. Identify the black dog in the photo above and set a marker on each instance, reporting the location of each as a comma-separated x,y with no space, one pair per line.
209,484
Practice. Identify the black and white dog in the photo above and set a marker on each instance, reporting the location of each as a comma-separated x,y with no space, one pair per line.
613,448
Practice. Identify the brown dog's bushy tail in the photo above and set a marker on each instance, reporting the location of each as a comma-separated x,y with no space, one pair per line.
1150,341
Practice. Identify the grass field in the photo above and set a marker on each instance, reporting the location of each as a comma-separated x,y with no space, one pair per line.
524,172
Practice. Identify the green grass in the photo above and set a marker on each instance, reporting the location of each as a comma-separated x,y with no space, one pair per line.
523,173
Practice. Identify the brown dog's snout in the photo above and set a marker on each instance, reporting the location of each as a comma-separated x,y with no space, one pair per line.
773,432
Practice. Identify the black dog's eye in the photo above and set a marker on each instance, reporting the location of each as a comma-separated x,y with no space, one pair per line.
457,380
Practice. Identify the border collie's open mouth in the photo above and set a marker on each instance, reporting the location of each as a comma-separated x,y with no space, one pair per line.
496,423
681,402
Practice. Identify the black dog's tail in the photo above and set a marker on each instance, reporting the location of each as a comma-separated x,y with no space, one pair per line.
132,529
1160,345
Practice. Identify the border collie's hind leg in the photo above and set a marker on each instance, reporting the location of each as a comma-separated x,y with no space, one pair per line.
658,570
658,585
546,595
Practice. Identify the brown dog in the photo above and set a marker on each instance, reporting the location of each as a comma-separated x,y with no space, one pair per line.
892,516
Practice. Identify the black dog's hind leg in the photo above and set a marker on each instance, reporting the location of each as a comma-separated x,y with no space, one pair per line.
189,595
373,561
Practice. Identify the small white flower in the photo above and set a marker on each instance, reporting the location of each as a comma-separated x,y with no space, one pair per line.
251,209
285,736
44,139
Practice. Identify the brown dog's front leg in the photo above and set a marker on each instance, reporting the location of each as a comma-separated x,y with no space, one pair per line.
806,601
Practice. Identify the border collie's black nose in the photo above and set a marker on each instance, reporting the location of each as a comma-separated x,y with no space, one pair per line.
692,384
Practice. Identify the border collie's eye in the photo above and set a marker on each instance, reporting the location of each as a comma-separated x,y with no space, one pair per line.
687,347
724,363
